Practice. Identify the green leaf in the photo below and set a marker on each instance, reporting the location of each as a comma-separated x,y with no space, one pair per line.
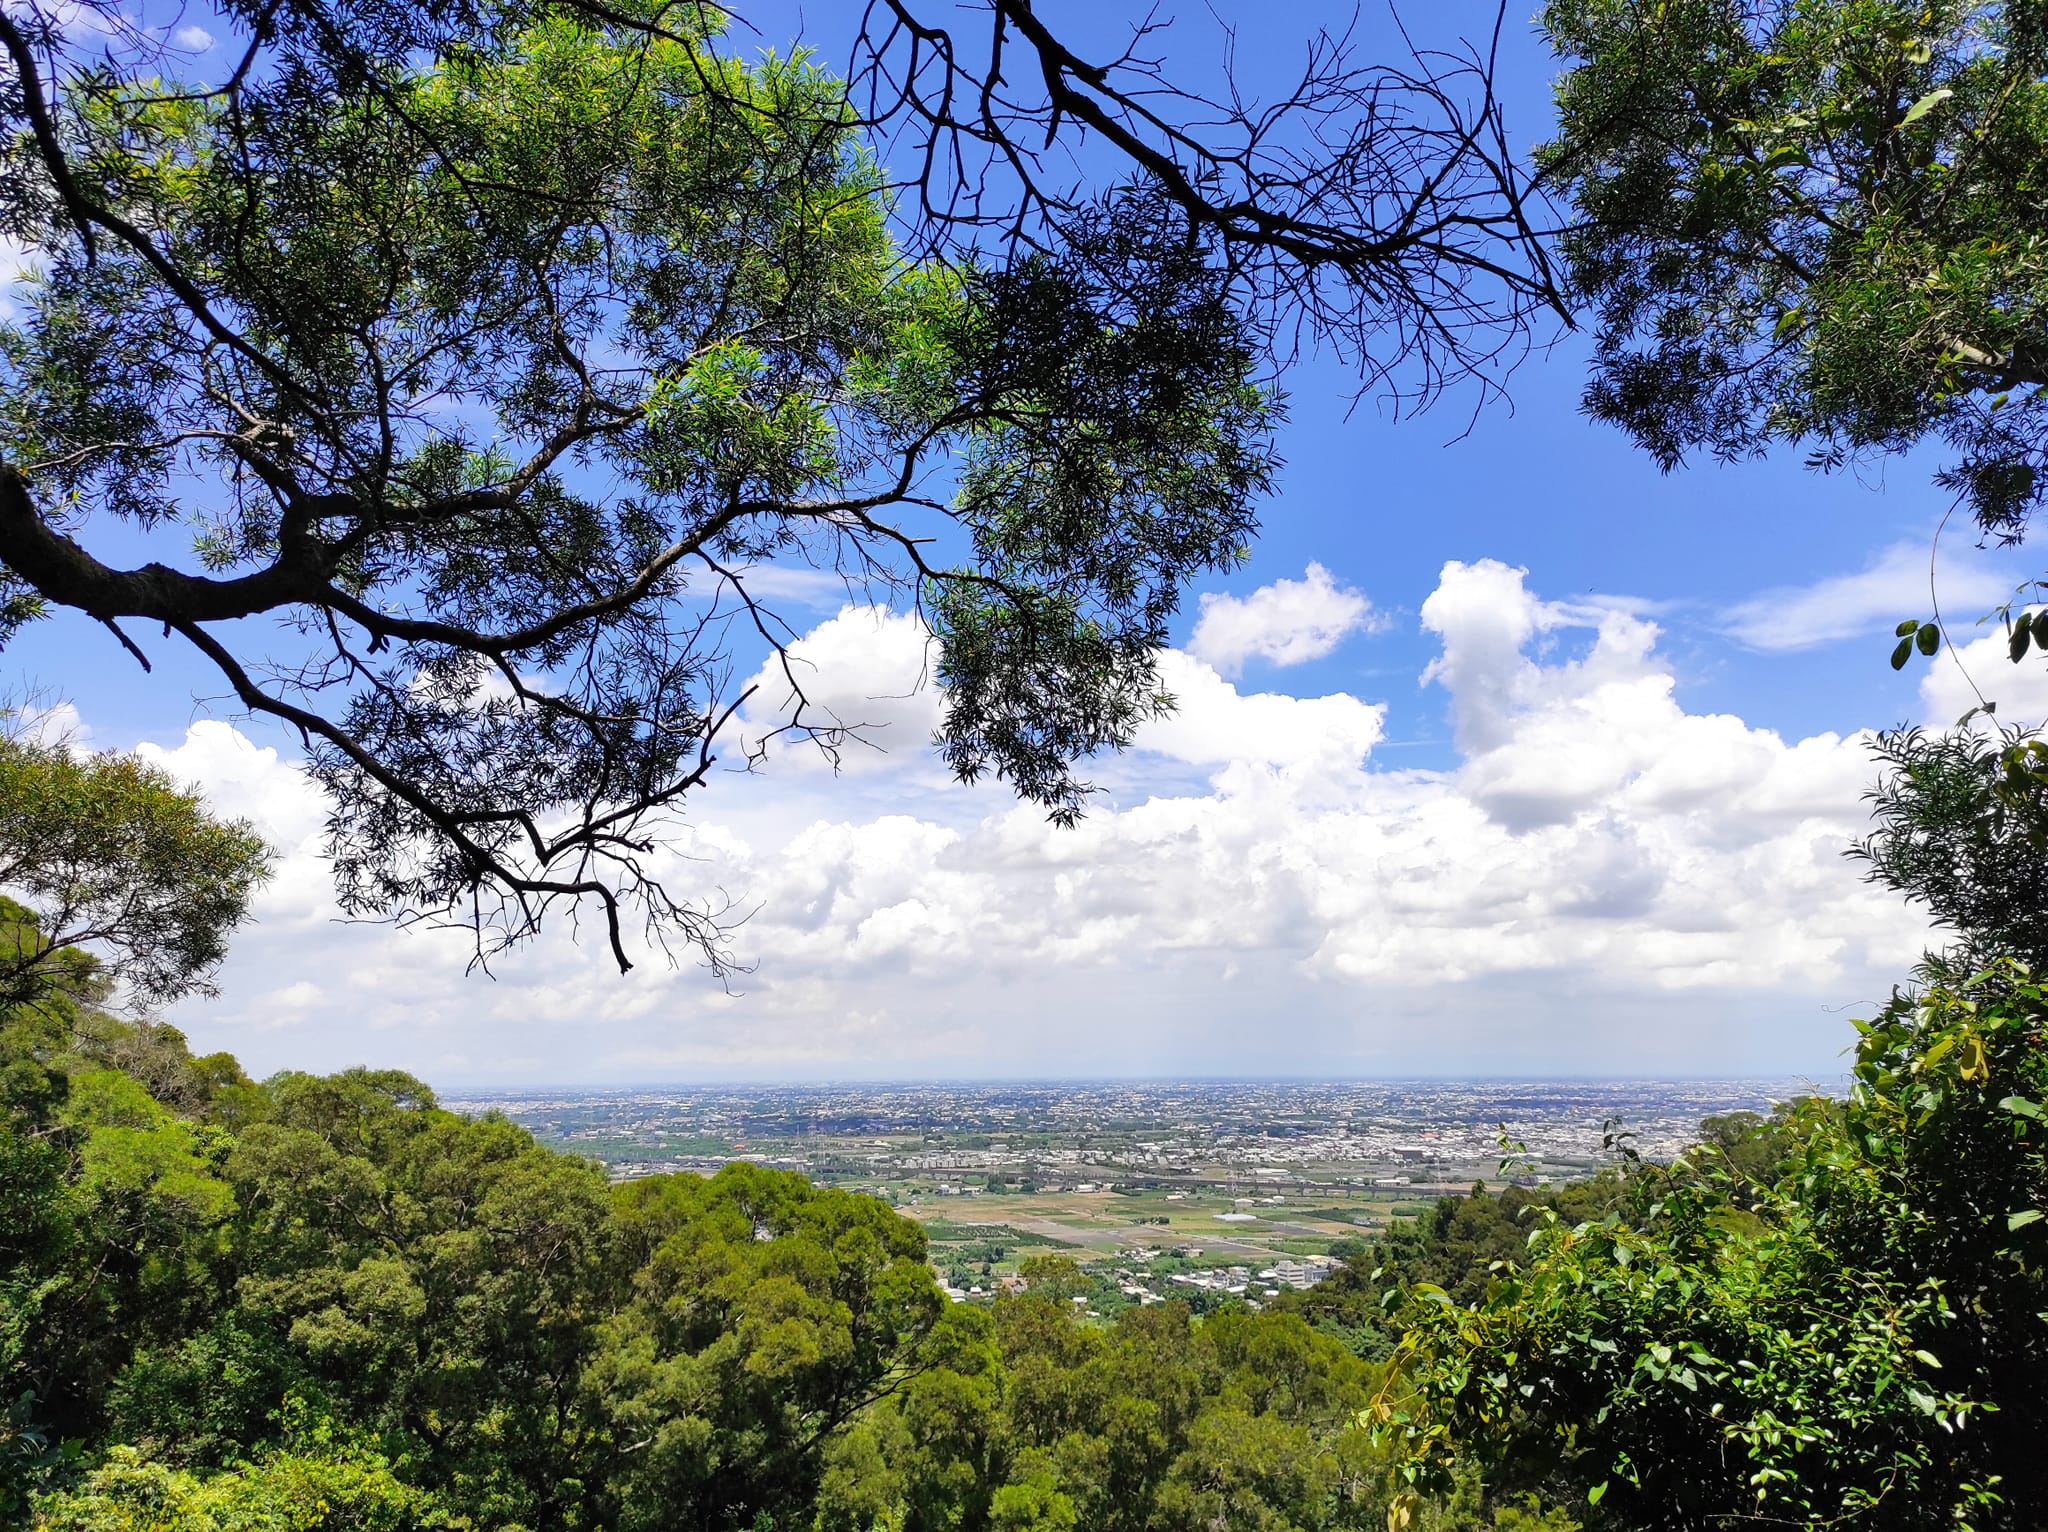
1928,638
1593,1495
1925,104
1902,654
1904,628
2021,1220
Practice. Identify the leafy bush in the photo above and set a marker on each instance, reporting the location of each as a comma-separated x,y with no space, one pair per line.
332,1490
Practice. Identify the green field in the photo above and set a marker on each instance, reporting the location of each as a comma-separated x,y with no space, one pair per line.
948,1231
1097,1226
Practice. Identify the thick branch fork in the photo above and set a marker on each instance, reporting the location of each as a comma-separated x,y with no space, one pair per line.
65,573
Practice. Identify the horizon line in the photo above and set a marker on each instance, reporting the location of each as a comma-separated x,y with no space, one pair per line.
989,1082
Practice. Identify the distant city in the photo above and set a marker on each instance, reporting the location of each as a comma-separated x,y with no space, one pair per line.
1287,1131
1167,1189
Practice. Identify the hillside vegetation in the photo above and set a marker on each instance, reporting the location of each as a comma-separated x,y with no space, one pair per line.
327,1302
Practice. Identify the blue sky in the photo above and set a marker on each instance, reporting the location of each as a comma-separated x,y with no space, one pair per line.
1553,780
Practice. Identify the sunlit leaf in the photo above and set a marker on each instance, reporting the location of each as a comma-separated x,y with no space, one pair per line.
1924,105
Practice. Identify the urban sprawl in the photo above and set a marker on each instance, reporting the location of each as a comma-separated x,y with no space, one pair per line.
1205,1192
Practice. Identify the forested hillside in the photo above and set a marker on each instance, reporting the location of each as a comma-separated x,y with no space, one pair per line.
326,1302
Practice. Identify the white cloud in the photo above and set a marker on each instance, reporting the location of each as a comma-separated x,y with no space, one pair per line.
49,723
866,672
244,781
17,264
1603,883
80,20
791,582
193,39
1214,724
1892,589
1286,623
1981,670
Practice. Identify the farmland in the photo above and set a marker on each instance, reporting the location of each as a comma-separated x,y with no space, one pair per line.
1151,1187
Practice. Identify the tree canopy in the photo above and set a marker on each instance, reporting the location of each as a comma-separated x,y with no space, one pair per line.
328,1303
1818,221
118,864
497,347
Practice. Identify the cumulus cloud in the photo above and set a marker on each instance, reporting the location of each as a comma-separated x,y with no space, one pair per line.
193,39
1981,670
48,723
1593,826
862,679
1892,588
1214,724
1286,623
1603,882
243,780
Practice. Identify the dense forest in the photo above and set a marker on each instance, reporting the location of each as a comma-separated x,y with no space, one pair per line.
231,1304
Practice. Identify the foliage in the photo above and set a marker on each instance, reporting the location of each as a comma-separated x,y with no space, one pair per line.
1855,1337
1027,1418
326,1302
113,857
500,375
1455,1247
1832,1315
1963,829
1814,220
765,1315
323,1491
496,1320
494,344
